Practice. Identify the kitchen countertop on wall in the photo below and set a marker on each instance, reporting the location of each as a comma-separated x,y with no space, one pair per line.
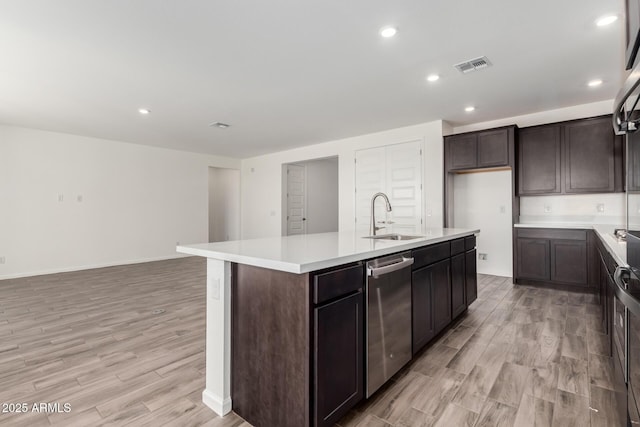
617,249
310,252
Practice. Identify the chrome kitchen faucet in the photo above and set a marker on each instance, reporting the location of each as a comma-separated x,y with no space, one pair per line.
373,227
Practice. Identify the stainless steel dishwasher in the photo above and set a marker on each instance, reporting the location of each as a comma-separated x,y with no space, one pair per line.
388,314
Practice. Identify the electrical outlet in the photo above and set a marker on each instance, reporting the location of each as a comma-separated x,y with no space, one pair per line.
600,207
2,260
482,256
61,197
503,209
547,208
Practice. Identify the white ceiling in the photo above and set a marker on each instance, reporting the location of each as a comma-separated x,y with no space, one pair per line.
293,73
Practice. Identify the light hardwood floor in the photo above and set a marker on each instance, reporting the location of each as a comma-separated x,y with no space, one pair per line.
125,346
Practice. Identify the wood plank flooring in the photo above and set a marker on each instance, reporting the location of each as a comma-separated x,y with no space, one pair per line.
122,345
520,356
125,346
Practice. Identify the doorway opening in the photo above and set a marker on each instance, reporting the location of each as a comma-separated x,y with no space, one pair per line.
310,196
224,204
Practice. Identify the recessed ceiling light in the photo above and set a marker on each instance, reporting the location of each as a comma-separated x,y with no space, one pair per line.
606,20
433,77
219,125
469,109
594,83
387,32
144,111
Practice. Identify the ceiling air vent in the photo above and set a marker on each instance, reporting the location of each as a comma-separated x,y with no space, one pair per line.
473,65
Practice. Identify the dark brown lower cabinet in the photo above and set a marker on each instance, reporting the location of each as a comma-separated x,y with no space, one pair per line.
422,316
471,276
458,300
339,370
533,259
431,301
569,261
556,256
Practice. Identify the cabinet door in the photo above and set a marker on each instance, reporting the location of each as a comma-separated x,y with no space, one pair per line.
471,277
458,301
339,358
533,259
493,148
462,151
589,149
421,314
539,160
569,262
441,303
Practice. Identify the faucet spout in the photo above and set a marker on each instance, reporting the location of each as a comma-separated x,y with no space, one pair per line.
373,227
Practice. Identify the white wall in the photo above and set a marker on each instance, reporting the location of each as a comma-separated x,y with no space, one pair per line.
483,200
137,201
262,177
542,117
574,208
322,195
224,204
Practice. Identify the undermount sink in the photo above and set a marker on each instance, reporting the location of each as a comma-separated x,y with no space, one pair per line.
392,237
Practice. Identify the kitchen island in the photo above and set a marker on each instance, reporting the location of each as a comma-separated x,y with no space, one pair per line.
285,317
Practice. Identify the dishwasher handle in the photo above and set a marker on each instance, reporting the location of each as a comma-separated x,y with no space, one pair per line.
379,271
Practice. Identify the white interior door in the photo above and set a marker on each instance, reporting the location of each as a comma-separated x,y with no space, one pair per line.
370,179
296,200
395,170
404,186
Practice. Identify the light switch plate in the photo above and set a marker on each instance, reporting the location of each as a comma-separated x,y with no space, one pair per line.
600,207
547,208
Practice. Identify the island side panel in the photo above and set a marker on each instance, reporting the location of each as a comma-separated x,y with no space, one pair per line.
270,346
217,394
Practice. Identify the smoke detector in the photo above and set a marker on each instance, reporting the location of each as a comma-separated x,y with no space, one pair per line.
473,65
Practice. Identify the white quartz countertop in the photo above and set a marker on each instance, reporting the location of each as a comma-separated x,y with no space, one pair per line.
310,252
617,249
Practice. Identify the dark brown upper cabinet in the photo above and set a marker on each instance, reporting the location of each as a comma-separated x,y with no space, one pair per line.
579,156
463,151
539,160
475,150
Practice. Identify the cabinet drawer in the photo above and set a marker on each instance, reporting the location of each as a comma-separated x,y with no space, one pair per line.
469,243
457,246
552,233
335,283
430,254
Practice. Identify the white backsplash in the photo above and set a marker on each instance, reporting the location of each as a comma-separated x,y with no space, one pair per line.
606,208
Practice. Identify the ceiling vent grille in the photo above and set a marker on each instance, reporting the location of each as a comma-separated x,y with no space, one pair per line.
473,65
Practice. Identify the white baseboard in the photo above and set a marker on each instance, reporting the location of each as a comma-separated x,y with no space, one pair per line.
89,267
220,406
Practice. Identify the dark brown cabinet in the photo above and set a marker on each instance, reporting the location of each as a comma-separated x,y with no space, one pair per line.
539,160
458,275
339,370
574,157
471,277
533,259
462,151
556,256
431,302
569,261
443,284
483,149
590,156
